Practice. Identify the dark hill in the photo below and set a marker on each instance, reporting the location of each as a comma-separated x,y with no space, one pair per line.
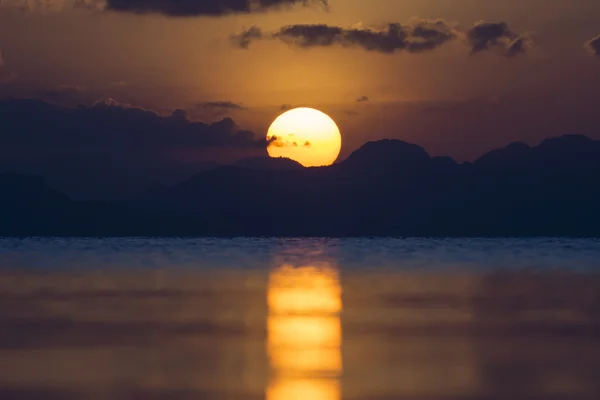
512,156
28,191
384,188
387,154
269,163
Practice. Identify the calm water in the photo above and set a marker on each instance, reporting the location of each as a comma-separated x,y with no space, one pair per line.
299,319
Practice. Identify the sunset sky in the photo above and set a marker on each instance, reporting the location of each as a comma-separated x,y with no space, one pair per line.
531,70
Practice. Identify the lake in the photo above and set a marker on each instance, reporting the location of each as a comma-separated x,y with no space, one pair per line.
300,319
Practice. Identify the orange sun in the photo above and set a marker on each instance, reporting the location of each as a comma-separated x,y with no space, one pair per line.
305,135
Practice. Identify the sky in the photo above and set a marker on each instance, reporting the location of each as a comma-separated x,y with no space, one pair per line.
458,77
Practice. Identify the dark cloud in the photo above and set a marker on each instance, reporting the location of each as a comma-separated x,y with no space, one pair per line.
497,37
593,46
227,105
215,109
55,5
111,125
110,102
244,39
280,141
112,147
211,8
310,35
362,99
519,46
5,75
276,141
417,36
287,107
64,94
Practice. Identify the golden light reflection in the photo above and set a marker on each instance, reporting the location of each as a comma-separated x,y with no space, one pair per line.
304,334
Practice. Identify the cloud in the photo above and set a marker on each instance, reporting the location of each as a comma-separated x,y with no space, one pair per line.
519,46
110,102
593,46
362,99
280,141
276,141
54,5
111,125
211,8
64,94
5,76
171,8
246,37
215,109
417,36
498,37
227,105
110,148
287,107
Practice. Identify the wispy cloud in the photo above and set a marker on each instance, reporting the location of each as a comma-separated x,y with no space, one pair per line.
417,36
54,5
171,8
593,46
484,36
211,8
223,105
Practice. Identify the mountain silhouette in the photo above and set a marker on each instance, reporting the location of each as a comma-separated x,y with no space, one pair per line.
385,188
386,154
269,163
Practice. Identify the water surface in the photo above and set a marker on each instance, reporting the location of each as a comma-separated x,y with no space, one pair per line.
322,319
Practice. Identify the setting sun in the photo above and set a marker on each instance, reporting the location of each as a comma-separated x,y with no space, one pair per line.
305,135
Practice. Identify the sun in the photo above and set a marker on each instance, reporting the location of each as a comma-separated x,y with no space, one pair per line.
305,135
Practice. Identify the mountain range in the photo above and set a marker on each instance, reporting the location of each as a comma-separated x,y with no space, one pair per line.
385,188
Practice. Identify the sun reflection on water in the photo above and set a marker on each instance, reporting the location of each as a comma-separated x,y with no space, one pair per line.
304,333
